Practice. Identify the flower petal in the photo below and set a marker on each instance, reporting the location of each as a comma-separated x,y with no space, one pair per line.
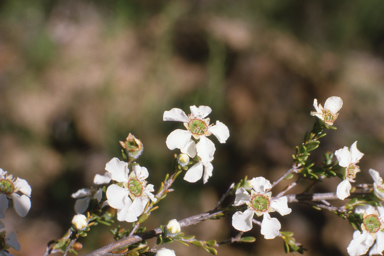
3,205
333,104
205,149
165,252
118,169
281,206
260,184
122,213
189,149
343,189
178,139
11,240
360,243
176,115
343,156
378,247
194,173
140,172
375,176
136,209
22,204
102,179
356,155
116,196
208,168
242,197
81,193
82,204
270,227
201,111
23,186
220,130
242,221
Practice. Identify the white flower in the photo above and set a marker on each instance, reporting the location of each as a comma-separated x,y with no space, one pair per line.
165,252
330,111
7,242
198,128
372,227
378,185
80,221
348,158
259,202
84,196
16,189
132,194
174,226
196,172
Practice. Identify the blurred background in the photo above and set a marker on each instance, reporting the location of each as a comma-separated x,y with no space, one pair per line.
77,76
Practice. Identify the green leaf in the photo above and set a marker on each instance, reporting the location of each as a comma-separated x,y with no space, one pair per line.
313,145
211,250
247,239
211,242
197,243
289,176
286,233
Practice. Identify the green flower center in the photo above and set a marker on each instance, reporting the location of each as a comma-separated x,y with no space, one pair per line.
328,116
135,187
372,223
6,186
260,203
351,172
197,126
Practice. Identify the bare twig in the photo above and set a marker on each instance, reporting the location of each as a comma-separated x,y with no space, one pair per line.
224,196
294,169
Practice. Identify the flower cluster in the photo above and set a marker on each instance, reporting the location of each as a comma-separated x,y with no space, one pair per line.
194,141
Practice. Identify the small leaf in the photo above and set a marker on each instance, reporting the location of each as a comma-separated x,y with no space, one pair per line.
247,239
289,176
211,242
286,233
313,145
211,250
197,243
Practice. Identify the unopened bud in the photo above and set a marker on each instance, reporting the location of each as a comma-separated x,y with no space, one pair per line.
165,252
80,221
183,159
174,226
132,146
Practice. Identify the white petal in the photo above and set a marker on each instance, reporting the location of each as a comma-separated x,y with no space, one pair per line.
343,189
178,139
2,173
176,115
281,206
220,130
208,168
3,205
148,193
99,194
375,176
189,149
137,208
11,240
205,149
343,156
118,169
333,104
360,243
260,184
201,111
122,213
165,252
81,193
356,155
116,196
82,204
102,179
140,172
242,197
270,227
316,106
366,208
378,247
23,186
242,221
22,204
194,173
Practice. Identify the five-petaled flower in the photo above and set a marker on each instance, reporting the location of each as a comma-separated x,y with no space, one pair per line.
194,141
330,111
259,202
16,189
7,242
131,193
372,230
348,158
378,186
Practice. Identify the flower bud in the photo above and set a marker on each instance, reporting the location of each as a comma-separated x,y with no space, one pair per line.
80,221
165,252
174,226
183,159
132,146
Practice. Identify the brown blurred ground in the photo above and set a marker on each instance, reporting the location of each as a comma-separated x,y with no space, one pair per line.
77,76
